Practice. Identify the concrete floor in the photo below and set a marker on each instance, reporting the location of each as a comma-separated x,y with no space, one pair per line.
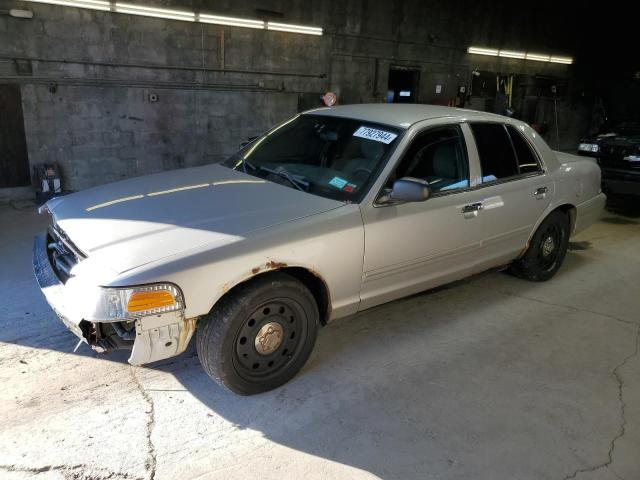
490,378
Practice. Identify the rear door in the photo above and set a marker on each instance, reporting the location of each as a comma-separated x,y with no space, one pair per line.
515,191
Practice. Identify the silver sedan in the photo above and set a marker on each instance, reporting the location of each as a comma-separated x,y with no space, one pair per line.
332,212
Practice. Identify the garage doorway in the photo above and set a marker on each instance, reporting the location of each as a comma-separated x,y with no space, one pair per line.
14,163
403,85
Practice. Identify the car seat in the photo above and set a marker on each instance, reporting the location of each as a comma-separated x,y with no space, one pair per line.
438,164
444,166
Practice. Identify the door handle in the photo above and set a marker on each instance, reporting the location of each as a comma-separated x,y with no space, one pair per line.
540,192
471,210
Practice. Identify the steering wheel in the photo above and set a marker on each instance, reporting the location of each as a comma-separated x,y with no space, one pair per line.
361,169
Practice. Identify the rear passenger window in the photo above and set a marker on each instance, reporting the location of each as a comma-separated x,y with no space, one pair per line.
527,161
497,157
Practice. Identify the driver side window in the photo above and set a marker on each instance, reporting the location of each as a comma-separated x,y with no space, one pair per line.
439,157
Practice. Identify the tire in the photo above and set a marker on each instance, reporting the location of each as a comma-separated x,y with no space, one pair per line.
258,337
546,251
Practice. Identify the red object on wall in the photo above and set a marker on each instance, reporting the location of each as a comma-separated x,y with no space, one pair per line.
329,99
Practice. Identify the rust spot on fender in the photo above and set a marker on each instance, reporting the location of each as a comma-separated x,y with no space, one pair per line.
189,325
313,272
271,265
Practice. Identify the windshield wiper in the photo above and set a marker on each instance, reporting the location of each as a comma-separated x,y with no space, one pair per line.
246,163
296,182
281,172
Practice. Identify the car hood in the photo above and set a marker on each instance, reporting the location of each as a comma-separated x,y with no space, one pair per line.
140,220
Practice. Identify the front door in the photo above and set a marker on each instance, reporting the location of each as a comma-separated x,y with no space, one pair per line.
411,247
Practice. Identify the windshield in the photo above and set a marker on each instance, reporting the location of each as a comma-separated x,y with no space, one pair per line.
331,157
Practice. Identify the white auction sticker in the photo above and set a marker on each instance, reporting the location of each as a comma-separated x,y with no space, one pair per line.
375,134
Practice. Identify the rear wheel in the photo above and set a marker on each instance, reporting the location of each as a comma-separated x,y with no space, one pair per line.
259,337
546,251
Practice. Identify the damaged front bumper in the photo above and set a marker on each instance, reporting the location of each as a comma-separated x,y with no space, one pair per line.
150,339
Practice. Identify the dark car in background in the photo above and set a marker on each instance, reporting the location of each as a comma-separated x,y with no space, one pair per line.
617,150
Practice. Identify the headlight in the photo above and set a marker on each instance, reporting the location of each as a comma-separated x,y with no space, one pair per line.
134,302
589,147
632,158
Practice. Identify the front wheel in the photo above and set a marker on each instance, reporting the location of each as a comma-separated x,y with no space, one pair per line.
259,336
546,251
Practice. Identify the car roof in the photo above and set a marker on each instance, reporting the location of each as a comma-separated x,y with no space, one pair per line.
403,115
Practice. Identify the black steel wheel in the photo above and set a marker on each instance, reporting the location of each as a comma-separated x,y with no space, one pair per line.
260,335
546,251
270,339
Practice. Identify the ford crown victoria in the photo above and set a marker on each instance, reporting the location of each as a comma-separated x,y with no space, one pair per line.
334,211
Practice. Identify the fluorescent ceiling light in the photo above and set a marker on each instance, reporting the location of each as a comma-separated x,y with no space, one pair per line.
91,4
234,22
565,60
483,51
538,57
14,12
511,54
132,9
286,27
155,12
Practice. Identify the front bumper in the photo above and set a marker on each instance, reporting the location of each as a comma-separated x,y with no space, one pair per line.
156,337
52,288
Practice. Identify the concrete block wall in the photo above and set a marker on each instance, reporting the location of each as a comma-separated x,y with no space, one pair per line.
99,134
92,76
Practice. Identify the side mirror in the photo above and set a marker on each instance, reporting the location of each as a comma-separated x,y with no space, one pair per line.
407,189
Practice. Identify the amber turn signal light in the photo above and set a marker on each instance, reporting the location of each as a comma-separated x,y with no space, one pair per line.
141,301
